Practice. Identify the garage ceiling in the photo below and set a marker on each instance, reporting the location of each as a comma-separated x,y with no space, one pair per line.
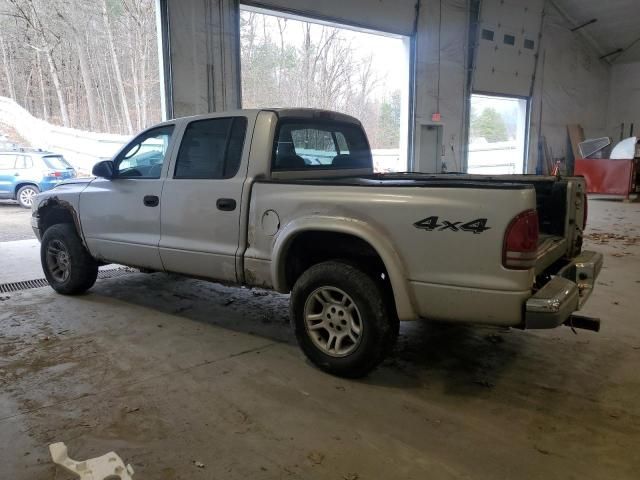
618,25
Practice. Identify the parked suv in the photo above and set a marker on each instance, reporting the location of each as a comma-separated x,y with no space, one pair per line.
25,173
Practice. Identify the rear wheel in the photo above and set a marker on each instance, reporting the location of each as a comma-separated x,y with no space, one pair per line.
67,265
26,195
342,318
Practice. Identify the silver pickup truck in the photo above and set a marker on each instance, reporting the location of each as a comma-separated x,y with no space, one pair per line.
287,200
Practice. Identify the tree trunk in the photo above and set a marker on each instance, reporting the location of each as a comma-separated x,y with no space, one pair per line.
7,70
26,103
134,77
45,112
116,68
113,103
143,79
36,23
90,93
58,86
94,67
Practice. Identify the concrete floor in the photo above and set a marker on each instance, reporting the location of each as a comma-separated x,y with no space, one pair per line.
169,371
14,222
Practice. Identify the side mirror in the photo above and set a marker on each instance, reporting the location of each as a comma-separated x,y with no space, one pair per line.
103,169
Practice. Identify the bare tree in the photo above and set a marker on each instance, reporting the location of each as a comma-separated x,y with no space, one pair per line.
322,70
116,68
81,64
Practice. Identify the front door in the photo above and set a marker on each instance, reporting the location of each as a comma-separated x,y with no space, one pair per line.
201,200
120,216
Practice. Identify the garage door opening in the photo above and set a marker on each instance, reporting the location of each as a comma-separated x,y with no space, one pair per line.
497,135
293,61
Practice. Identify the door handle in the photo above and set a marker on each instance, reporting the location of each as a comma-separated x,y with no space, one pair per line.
151,200
226,204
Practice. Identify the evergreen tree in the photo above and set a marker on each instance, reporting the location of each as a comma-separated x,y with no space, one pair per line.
489,125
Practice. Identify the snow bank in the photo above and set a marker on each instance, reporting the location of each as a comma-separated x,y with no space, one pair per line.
82,149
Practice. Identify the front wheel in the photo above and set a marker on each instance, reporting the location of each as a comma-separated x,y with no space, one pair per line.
26,195
67,265
342,319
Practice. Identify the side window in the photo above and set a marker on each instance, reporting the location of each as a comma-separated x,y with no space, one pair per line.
23,162
7,161
145,156
211,148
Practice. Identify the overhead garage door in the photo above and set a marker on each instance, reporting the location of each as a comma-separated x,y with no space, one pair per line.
392,16
507,46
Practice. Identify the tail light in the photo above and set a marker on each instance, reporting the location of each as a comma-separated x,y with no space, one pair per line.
521,241
55,174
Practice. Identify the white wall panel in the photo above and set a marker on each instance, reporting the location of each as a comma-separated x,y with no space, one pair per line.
571,86
450,67
624,99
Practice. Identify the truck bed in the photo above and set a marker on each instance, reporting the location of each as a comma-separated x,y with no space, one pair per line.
556,239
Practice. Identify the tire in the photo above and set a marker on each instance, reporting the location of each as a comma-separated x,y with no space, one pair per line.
76,270
26,195
364,319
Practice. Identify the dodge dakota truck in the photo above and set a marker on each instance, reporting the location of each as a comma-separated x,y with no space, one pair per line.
287,199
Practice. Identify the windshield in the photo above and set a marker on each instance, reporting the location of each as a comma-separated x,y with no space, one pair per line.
56,162
311,145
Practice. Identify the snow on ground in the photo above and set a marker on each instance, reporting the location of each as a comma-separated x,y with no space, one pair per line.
81,148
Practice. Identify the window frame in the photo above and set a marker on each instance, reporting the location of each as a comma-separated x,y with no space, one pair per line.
317,122
167,156
227,176
27,159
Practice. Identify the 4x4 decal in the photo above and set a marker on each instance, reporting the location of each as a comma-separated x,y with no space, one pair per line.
430,224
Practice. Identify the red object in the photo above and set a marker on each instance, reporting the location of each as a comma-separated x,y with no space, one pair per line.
613,177
521,241
435,117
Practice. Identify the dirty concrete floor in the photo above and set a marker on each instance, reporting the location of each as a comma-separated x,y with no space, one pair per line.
169,371
14,222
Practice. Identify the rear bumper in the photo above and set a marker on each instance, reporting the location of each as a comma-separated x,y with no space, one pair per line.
554,303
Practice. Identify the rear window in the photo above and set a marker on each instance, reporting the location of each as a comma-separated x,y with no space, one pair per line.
56,162
313,145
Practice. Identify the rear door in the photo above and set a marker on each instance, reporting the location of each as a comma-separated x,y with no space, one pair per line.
7,174
200,216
